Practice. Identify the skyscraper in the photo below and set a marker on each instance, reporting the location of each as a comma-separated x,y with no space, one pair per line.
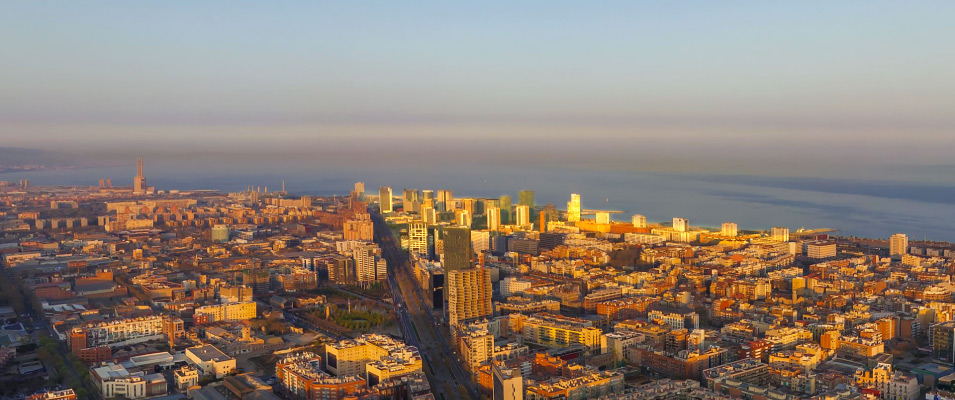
480,241
526,198
463,217
681,224
505,203
542,222
360,190
139,182
522,214
780,234
898,244
469,294
410,200
384,199
457,248
429,215
445,200
493,219
418,237
729,229
639,221
573,208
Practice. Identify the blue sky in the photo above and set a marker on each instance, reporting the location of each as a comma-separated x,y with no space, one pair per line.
744,77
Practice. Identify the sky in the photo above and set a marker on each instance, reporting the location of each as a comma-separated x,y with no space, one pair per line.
739,87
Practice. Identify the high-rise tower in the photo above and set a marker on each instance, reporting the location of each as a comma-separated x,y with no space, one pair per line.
457,248
493,219
526,198
505,204
522,215
681,224
139,182
780,234
469,294
384,199
729,229
573,208
898,244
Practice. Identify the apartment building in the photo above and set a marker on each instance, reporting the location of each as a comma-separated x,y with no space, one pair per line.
228,312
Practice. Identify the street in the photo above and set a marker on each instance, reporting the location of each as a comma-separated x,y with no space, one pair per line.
448,378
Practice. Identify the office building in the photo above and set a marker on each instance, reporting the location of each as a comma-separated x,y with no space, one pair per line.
526,198
469,294
411,200
504,202
210,361
384,199
522,215
493,219
445,200
480,241
681,224
114,381
360,189
429,215
463,217
821,249
639,221
457,248
342,271
542,222
228,312
573,208
729,229
898,245
549,241
779,234
418,237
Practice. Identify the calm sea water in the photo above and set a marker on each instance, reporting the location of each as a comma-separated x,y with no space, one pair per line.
862,208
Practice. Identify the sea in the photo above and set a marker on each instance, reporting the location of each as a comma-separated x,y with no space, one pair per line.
863,208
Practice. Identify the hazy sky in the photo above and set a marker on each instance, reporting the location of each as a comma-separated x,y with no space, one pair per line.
719,82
